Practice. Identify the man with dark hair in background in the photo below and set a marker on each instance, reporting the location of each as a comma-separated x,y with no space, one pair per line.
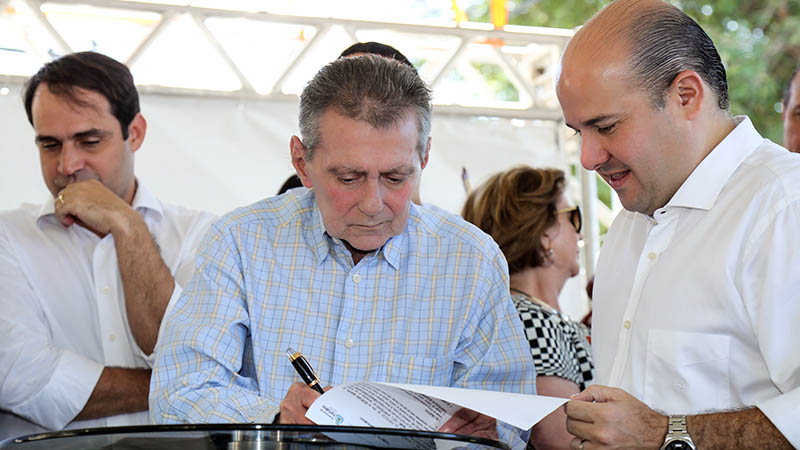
695,299
376,48
369,286
791,112
86,277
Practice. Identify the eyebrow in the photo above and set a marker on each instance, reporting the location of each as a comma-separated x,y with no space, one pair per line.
400,170
593,121
92,132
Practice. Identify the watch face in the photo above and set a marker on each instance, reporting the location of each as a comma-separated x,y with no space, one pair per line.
678,444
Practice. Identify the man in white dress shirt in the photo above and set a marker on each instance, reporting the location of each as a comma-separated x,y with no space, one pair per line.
696,293
86,277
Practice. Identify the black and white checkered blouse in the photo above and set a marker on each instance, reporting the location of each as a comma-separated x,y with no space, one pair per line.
559,346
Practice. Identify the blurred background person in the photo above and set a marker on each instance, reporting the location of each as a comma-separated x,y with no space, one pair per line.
292,182
526,212
791,113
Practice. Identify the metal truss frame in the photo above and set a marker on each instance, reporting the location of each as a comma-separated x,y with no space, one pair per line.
466,33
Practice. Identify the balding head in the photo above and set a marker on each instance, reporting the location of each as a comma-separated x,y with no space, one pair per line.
645,88
654,42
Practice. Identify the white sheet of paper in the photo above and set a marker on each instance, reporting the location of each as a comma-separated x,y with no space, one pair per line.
392,405
519,410
378,405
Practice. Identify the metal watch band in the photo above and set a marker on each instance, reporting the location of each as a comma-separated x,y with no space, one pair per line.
677,425
678,434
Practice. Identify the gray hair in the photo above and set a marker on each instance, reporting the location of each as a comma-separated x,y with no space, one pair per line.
368,88
664,42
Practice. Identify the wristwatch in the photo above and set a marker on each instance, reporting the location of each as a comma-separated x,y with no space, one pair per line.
677,435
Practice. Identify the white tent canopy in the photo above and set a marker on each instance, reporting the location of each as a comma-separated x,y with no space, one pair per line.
219,94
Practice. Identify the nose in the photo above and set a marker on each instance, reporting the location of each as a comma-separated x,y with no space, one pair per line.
592,152
70,159
371,202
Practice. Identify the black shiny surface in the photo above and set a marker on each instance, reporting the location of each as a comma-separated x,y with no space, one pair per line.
243,437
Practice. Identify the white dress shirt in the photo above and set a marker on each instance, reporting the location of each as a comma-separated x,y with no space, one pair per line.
63,310
697,308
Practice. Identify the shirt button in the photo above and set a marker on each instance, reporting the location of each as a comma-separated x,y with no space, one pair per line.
627,325
679,386
349,343
356,278
106,290
651,255
112,337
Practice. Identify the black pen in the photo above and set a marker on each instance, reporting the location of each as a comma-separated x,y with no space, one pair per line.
303,368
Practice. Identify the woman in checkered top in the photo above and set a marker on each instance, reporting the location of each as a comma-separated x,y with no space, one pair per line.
526,212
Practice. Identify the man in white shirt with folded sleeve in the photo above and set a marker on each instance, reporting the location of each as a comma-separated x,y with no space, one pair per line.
86,277
696,298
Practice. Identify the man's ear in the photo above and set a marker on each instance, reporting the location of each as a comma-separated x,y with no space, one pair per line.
298,154
424,161
136,132
690,91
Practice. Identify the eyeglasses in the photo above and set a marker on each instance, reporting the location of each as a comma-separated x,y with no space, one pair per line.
574,217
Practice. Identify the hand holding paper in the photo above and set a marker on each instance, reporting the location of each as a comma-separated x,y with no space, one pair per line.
423,407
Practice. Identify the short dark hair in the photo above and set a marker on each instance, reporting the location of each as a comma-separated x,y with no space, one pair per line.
516,208
663,42
93,72
787,88
369,88
292,182
376,48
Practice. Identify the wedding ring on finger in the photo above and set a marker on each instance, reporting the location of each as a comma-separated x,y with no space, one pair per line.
580,446
60,199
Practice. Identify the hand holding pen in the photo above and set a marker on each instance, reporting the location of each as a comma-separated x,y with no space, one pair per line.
299,398
304,369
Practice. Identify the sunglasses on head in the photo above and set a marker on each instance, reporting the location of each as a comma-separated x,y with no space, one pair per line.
574,216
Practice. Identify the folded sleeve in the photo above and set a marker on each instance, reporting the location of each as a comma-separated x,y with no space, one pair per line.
784,412
770,282
38,381
196,376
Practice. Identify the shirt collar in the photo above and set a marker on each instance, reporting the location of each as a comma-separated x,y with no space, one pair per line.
702,187
393,248
322,243
143,201
316,236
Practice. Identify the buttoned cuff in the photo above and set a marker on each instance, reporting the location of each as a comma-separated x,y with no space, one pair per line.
67,392
784,412
151,358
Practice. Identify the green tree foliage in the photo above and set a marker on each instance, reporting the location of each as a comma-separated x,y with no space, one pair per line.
759,41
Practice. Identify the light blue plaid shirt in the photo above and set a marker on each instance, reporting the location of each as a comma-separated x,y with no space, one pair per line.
431,307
